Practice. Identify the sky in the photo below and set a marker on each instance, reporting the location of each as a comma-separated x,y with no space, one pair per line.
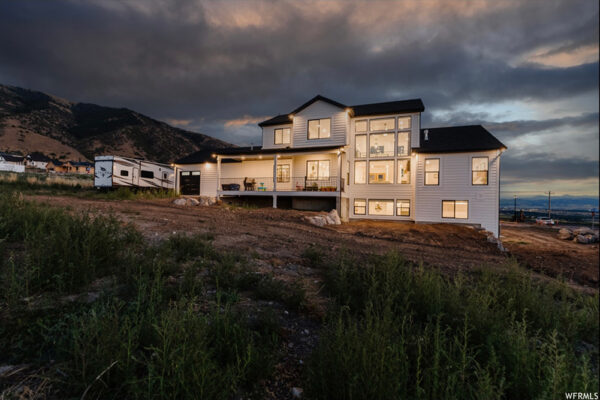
526,70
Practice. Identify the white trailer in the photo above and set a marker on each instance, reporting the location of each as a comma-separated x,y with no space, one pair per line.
116,171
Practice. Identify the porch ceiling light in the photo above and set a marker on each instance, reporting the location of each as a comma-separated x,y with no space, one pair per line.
214,155
291,116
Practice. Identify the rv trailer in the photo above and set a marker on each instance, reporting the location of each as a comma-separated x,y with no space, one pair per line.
116,171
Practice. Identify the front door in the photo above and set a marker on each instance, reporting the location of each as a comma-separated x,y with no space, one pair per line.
189,182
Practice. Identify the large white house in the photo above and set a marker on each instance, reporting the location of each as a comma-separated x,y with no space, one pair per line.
368,161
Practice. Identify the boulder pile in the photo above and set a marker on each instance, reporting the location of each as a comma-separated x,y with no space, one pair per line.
330,218
579,235
190,201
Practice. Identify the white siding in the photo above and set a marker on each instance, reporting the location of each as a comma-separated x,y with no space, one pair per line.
320,109
268,137
455,184
208,177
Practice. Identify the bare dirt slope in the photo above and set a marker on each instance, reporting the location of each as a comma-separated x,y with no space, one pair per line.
279,237
538,248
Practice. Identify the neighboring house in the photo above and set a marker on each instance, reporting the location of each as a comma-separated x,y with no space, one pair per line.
56,166
79,167
37,160
369,161
11,162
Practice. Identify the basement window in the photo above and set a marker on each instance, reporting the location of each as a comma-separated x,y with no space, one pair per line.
124,172
403,208
147,174
479,170
381,207
360,207
458,209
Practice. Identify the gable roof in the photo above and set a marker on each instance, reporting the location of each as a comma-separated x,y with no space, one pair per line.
202,156
38,157
11,157
458,139
360,110
390,107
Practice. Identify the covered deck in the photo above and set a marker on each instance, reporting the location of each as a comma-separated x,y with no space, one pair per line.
307,172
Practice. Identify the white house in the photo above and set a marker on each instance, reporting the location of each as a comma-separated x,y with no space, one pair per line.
369,161
11,162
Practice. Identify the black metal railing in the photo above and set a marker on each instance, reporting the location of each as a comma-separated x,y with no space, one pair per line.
284,184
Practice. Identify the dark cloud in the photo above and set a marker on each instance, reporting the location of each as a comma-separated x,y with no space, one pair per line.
212,62
541,166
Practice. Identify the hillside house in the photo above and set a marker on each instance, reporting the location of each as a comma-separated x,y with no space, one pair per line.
369,161
79,167
11,162
37,160
56,166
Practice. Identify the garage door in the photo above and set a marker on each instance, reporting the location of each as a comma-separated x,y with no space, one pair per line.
189,182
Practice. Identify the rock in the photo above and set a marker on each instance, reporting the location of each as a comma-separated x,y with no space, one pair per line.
179,202
335,217
583,231
565,234
329,220
587,239
317,220
297,392
191,202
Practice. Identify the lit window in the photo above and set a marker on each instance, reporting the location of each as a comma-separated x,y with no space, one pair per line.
404,171
317,170
360,206
479,171
283,173
381,145
432,171
458,209
319,128
403,143
361,146
403,208
282,136
381,171
361,126
403,123
381,207
360,172
382,124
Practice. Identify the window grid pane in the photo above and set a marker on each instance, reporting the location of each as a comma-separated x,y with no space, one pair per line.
381,171
382,124
461,209
404,123
360,207
361,146
403,143
403,208
360,172
381,145
447,209
361,126
404,171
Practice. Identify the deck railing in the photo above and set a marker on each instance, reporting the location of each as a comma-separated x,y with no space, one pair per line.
284,184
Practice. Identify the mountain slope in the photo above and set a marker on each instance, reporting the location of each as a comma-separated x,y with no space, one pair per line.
34,121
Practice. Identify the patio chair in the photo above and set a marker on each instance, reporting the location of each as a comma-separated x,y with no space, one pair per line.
249,184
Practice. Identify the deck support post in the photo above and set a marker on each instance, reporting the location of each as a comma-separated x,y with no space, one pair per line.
275,181
218,177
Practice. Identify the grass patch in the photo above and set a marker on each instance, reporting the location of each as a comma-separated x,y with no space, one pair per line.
155,332
398,331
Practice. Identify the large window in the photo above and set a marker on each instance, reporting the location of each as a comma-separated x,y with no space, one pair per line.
458,209
381,145
403,143
360,206
361,126
404,170
432,171
479,170
381,207
403,208
360,172
382,124
361,146
282,135
317,170
319,128
381,171
283,173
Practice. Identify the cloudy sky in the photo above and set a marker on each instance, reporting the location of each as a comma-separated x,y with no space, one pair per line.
527,70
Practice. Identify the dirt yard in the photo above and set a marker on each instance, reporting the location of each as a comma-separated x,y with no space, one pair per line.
279,237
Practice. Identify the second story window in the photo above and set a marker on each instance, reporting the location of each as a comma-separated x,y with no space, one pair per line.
479,171
282,136
381,145
432,171
319,128
361,146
